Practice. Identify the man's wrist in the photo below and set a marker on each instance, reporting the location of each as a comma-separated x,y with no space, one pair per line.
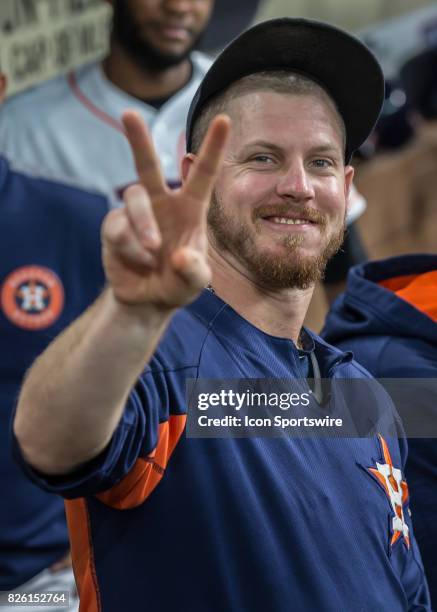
146,313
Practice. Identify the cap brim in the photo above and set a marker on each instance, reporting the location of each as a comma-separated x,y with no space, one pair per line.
339,62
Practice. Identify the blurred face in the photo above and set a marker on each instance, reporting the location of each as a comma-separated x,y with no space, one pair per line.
160,33
278,210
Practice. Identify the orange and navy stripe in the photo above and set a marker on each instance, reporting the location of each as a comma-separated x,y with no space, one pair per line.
130,492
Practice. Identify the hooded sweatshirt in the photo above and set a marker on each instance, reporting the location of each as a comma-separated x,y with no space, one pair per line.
388,318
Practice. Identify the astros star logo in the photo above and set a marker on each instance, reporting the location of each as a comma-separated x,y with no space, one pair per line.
396,488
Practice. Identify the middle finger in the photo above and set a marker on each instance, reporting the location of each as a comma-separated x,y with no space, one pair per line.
146,161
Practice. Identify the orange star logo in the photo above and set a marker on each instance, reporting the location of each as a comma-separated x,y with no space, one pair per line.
396,488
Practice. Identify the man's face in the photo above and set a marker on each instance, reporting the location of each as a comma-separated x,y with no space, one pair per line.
160,33
278,210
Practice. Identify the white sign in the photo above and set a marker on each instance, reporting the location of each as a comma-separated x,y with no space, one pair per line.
43,38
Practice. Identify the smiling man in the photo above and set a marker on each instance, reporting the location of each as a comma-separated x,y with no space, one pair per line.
233,524
269,184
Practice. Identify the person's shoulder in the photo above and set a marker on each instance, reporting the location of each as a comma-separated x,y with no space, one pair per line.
54,187
36,99
37,103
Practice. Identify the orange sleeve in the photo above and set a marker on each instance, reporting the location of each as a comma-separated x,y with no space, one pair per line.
138,484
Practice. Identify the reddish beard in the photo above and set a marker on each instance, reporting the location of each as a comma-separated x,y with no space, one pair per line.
291,270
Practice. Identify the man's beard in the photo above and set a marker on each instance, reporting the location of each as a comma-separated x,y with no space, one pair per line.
273,271
126,32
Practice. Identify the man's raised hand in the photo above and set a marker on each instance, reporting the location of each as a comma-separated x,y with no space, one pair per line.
155,247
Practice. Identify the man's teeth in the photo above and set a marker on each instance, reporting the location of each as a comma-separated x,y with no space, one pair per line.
288,221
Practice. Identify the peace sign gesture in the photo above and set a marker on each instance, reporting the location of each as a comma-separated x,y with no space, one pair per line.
155,248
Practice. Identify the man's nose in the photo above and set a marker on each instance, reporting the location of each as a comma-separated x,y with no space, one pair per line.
178,6
295,182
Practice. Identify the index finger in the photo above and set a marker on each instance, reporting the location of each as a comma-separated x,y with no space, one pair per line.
146,161
201,178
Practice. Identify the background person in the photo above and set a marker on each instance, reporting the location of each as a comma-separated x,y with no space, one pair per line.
50,271
387,317
399,179
71,125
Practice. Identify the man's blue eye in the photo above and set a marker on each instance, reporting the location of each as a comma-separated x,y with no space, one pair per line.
322,163
262,158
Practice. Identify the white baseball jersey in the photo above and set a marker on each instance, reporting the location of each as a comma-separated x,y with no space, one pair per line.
71,127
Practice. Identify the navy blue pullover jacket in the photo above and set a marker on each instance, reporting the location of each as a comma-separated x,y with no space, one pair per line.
387,318
161,521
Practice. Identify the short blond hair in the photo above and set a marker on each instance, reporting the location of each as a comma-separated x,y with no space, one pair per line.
278,81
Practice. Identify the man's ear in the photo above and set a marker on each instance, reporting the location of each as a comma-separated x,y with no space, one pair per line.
3,85
349,172
187,162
